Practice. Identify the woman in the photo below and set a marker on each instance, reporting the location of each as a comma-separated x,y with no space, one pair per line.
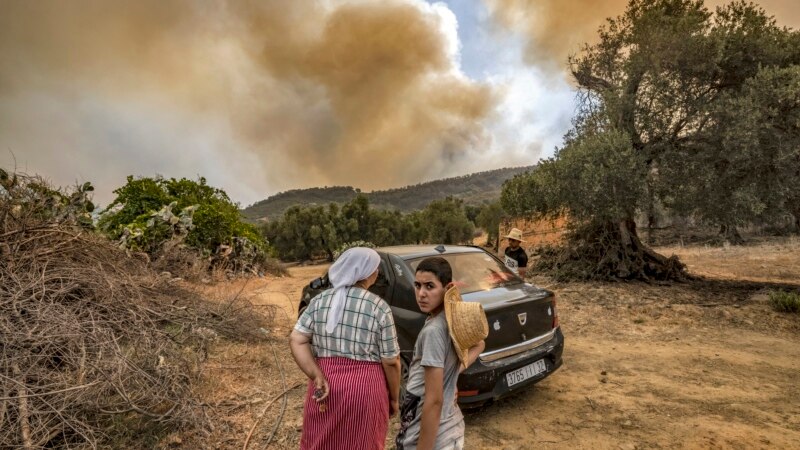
345,342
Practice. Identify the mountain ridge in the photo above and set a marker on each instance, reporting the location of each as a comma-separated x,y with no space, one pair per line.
474,189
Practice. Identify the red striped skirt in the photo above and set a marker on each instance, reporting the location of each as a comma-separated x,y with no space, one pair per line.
356,412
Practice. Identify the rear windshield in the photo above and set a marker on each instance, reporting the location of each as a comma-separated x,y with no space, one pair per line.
475,271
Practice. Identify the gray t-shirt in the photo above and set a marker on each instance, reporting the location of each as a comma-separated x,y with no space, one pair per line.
435,349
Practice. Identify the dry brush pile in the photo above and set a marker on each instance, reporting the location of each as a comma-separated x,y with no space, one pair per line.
93,344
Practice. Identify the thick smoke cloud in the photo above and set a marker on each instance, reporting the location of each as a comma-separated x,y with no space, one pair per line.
256,96
394,105
557,28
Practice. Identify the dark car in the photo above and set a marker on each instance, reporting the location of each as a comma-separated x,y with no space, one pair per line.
525,342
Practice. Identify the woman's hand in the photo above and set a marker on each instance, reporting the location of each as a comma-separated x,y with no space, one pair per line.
300,344
321,388
391,369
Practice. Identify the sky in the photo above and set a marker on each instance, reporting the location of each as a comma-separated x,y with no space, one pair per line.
263,96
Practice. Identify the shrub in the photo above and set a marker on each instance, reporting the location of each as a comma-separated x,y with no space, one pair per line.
150,213
348,245
788,302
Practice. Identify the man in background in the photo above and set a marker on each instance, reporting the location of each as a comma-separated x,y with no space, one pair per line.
515,256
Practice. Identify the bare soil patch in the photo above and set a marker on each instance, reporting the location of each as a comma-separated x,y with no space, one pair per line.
704,364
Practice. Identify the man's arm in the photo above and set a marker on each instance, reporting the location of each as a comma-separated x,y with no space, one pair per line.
522,266
431,408
300,344
391,368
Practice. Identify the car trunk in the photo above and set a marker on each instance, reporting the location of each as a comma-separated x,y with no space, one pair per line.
516,314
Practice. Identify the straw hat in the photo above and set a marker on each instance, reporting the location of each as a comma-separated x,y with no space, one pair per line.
466,322
515,234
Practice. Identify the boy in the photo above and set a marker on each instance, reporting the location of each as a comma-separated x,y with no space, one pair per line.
429,415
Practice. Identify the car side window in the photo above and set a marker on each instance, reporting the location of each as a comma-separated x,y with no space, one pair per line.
381,286
404,296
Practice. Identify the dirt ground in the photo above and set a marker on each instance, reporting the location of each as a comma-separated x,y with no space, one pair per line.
703,364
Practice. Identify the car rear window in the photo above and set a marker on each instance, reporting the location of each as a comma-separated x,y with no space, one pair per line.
475,271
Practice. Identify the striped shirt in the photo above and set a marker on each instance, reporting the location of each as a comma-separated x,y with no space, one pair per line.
365,333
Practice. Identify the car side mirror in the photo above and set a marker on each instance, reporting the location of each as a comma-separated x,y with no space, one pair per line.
318,283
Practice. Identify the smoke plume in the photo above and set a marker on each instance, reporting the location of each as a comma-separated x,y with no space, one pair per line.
253,95
558,28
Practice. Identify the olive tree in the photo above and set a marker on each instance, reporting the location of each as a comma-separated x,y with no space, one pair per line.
488,218
681,108
446,222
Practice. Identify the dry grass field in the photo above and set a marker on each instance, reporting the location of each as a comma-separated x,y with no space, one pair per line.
703,364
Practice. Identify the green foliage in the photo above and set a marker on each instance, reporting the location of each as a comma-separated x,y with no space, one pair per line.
307,231
782,301
489,219
446,222
150,211
707,100
597,176
315,231
752,174
32,197
348,245
472,211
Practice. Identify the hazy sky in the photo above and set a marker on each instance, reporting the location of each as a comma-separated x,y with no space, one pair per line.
263,96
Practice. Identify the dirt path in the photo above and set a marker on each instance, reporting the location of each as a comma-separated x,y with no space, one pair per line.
655,384
698,365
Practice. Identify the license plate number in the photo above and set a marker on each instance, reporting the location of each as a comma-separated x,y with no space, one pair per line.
523,373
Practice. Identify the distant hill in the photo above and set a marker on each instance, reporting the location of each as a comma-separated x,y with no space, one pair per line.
474,189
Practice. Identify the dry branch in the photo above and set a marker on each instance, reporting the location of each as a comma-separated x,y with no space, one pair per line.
264,411
91,339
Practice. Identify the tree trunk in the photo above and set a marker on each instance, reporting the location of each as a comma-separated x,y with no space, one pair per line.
730,234
607,251
795,211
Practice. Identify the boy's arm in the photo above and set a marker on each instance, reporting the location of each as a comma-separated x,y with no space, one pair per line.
431,408
472,355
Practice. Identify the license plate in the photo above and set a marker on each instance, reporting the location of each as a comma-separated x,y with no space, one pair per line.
523,373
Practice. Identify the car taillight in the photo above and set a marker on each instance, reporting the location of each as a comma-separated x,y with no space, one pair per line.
555,312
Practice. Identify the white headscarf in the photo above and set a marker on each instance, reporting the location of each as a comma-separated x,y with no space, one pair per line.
354,265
